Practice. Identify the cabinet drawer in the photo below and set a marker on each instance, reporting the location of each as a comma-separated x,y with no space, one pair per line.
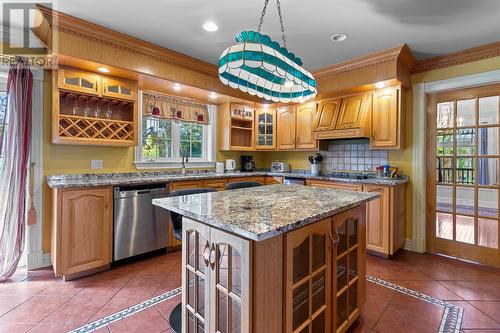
274,180
335,185
218,184
185,185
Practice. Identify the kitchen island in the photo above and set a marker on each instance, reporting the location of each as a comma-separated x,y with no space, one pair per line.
272,259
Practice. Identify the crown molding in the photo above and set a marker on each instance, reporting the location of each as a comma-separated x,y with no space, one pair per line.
458,58
73,25
401,54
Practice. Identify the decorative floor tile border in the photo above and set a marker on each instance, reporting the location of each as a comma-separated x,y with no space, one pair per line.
127,312
450,322
452,316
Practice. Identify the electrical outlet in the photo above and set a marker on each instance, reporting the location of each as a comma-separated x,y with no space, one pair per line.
95,164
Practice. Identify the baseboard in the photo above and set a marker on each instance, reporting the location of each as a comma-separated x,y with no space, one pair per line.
47,260
34,260
408,244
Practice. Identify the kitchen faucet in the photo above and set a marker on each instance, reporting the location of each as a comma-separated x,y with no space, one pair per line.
185,159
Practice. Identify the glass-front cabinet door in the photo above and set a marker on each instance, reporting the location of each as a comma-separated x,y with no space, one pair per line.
307,279
196,276
348,272
265,129
230,284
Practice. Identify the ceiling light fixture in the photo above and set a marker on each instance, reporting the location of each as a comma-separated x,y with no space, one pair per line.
339,37
380,85
103,69
177,87
212,95
260,66
210,26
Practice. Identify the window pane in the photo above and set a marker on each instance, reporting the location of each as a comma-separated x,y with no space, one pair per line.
445,115
488,233
465,170
196,149
444,226
157,138
445,170
444,142
488,141
465,141
465,200
487,202
466,113
184,131
465,229
488,110
488,171
196,132
444,198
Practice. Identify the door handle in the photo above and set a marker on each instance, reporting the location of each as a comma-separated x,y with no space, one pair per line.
212,256
206,254
335,238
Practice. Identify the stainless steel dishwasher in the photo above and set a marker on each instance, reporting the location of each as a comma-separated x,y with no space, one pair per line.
139,227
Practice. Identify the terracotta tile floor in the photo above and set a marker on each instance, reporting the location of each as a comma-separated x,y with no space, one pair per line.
37,302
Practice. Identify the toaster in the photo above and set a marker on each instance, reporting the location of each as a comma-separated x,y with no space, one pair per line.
280,167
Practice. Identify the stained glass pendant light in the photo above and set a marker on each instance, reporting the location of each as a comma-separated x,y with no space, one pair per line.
260,66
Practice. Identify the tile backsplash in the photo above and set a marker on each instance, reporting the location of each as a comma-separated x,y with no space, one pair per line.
353,157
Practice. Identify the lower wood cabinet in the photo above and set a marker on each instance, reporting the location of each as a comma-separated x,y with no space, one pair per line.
81,230
218,184
216,275
385,220
185,184
325,274
274,180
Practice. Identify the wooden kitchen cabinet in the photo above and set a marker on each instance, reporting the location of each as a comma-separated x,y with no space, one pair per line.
217,278
327,114
335,185
304,127
286,128
386,119
353,112
81,231
236,127
274,180
265,129
117,88
385,219
79,81
218,184
185,184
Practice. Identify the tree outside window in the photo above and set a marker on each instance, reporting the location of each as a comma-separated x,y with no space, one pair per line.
191,139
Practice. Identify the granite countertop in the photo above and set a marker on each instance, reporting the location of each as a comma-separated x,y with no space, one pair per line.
263,212
135,178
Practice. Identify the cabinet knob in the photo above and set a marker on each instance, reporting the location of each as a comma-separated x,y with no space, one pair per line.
206,254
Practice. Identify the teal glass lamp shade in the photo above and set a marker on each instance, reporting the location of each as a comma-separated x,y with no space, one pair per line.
260,66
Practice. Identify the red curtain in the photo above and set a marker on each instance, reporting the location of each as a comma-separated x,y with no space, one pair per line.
16,141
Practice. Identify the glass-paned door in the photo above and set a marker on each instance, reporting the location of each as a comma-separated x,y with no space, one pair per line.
463,173
265,129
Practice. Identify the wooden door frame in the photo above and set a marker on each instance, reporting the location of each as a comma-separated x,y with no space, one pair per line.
420,91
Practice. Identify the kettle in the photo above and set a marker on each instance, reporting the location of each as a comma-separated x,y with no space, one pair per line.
230,165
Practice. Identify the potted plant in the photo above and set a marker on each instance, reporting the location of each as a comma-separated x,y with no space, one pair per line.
315,163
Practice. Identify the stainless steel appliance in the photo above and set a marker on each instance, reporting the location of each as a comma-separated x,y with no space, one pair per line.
294,181
247,163
139,227
280,167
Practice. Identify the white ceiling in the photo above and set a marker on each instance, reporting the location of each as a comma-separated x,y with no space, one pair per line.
430,27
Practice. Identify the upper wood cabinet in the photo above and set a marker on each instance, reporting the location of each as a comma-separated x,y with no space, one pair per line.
236,127
81,230
386,119
327,114
286,128
304,127
118,89
79,81
353,112
265,129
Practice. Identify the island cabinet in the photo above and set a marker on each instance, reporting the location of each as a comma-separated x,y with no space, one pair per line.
217,277
81,231
325,274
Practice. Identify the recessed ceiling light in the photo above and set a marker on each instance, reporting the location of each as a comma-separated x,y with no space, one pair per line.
289,84
339,37
212,95
210,26
265,106
380,85
177,87
103,70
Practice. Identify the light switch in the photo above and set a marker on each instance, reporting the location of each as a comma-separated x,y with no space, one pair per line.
95,164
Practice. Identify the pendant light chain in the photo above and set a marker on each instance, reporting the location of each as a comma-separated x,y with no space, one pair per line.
266,2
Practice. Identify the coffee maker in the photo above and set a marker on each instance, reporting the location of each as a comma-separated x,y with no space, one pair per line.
247,163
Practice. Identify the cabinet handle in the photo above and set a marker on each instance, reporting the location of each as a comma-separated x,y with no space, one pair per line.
212,256
335,240
206,254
